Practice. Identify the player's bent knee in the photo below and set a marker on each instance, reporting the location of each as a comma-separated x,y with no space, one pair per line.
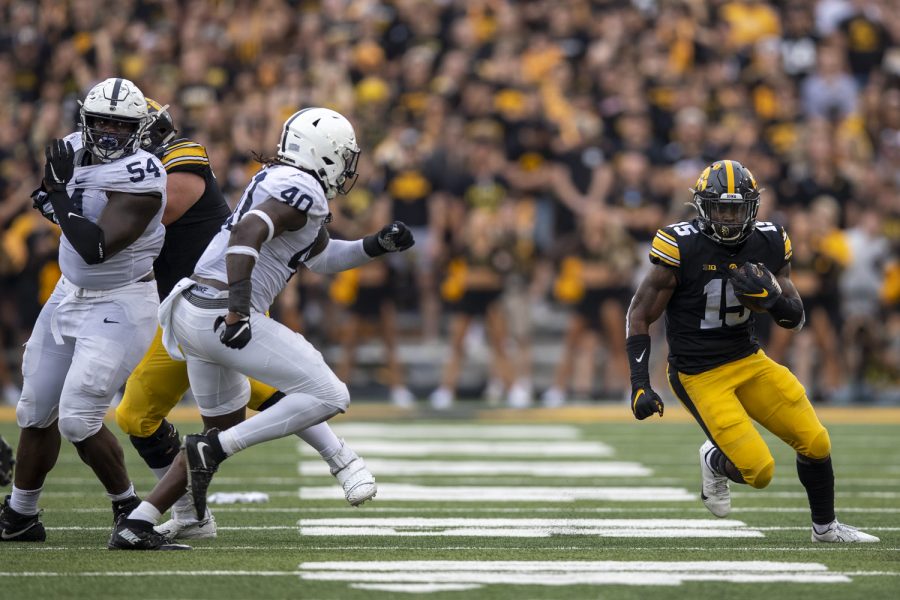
78,429
820,446
339,396
761,476
136,425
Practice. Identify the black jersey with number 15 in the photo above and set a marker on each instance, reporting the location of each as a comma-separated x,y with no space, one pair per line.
706,326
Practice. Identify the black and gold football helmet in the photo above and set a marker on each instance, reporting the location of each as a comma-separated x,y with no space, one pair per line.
727,198
161,130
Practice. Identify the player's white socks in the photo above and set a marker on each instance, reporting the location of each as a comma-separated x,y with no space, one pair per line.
25,502
292,414
123,496
146,512
322,439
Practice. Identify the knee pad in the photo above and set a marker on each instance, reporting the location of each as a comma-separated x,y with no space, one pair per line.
760,477
820,445
160,448
78,429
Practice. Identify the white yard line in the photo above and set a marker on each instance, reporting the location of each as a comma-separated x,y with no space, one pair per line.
399,492
396,467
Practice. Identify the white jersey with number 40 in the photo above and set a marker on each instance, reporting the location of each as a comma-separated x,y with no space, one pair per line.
138,173
280,256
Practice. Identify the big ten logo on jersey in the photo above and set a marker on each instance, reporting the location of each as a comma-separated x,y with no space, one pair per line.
684,228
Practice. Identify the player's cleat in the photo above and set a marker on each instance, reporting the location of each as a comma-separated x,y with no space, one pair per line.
838,533
553,397
519,395
189,529
134,534
202,456
402,397
714,492
441,399
123,508
16,527
351,472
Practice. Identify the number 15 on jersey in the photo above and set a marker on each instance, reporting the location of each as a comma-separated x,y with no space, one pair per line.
722,306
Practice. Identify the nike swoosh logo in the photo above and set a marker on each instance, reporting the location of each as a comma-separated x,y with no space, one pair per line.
641,357
7,536
636,398
200,447
106,320
762,294
79,181
75,215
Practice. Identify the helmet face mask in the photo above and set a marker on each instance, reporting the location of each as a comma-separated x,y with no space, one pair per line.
727,199
322,142
113,119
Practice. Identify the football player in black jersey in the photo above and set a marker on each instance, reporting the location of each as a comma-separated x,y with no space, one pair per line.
707,274
194,213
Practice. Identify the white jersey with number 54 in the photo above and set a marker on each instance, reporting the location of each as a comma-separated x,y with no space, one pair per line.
138,173
280,256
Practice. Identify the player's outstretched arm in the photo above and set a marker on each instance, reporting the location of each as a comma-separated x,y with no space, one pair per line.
333,256
648,304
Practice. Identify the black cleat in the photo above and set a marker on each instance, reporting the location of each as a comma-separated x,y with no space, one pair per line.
134,534
202,455
123,508
16,527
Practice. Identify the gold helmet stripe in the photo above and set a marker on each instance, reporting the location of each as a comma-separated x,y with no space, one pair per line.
729,171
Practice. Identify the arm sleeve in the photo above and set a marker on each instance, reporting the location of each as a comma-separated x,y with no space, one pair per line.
338,255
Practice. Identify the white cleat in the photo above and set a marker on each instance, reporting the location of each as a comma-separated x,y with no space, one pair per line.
402,397
553,397
838,532
714,492
189,529
351,472
441,399
519,396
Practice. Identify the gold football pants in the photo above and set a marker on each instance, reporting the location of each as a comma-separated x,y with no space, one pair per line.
156,386
725,400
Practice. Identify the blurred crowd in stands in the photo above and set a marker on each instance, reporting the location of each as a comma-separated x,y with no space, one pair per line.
534,146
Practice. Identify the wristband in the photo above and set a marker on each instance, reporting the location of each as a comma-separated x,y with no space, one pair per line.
372,247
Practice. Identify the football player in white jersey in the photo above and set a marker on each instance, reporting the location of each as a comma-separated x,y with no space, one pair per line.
216,319
108,197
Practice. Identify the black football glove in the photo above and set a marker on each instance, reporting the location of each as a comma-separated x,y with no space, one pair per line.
7,460
645,402
754,280
237,335
395,237
40,200
60,165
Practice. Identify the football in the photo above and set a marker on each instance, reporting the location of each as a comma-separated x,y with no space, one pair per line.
750,270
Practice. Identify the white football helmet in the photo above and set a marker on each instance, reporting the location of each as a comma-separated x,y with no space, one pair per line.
321,141
114,118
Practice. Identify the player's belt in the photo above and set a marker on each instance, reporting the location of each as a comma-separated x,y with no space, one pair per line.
203,301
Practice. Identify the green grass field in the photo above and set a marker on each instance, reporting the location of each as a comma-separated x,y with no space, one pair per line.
548,511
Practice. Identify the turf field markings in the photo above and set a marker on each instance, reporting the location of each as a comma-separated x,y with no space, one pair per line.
398,492
269,548
380,447
409,576
500,527
409,431
490,468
